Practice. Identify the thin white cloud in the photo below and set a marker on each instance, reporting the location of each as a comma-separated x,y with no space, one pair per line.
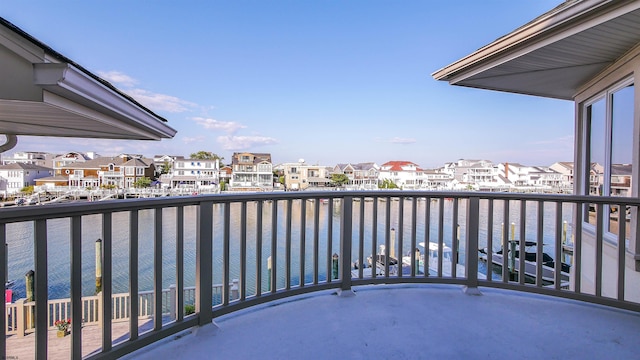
118,78
212,124
195,139
230,142
403,141
160,102
154,101
566,140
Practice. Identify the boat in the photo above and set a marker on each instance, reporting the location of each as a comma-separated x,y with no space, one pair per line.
379,263
530,260
432,260
9,284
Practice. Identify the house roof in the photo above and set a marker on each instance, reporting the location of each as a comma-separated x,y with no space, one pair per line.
399,166
554,54
138,162
97,163
48,94
24,166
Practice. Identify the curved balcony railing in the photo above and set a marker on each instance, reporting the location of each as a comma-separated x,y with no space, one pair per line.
283,244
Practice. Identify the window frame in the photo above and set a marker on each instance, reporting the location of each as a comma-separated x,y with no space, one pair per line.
585,156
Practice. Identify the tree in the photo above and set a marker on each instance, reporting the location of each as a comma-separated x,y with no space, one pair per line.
165,168
339,179
27,190
387,184
205,155
142,182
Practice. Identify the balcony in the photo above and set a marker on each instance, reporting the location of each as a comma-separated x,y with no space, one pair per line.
273,247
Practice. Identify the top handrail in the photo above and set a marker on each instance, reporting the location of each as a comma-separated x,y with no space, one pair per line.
52,211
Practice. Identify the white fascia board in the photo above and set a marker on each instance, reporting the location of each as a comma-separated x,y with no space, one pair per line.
70,83
541,28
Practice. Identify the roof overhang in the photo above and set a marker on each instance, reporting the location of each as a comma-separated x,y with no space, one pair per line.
556,53
51,95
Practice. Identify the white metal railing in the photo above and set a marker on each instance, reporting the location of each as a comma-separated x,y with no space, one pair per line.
20,319
274,244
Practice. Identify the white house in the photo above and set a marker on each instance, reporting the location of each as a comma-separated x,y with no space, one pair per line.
405,174
479,172
194,174
13,177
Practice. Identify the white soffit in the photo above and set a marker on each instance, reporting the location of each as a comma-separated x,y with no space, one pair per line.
553,62
73,101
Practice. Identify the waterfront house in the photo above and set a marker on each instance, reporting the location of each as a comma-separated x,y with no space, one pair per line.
64,160
251,172
479,172
565,169
518,175
436,179
362,176
117,172
587,52
405,174
29,157
13,177
302,176
195,174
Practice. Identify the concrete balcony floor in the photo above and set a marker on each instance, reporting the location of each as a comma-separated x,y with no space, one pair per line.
412,322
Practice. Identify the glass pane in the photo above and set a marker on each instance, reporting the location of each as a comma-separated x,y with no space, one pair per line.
596,122
621,153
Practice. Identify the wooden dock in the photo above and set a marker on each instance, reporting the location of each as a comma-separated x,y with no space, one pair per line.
23,348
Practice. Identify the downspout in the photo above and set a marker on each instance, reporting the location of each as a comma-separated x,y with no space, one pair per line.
11,142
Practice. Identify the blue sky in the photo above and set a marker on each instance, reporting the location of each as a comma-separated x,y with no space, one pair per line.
326,81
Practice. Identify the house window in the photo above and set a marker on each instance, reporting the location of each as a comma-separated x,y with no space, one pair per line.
139,171
608,128
128,170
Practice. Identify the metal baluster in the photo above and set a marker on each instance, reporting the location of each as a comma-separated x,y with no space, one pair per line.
622,231
558,249
287,248
505,243
226,260
316,241
259,248
243,250
303,239
76,287
179,263
157,270
600,229
133,275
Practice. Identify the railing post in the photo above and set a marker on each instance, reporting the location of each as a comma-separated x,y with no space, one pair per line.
471,266
172,302
346,238
204,254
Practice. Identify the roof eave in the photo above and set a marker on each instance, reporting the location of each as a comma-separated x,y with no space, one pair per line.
527,35
69,82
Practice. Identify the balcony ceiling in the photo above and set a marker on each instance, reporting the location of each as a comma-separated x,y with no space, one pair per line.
44,93
555,54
